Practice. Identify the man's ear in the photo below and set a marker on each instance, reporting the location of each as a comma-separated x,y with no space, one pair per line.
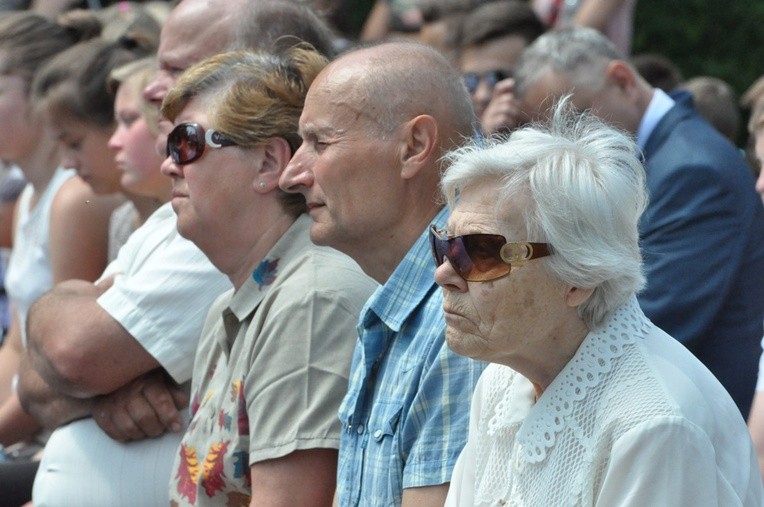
621,74
576,296
421,143
275,157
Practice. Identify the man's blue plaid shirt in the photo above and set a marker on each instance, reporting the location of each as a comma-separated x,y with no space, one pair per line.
405,417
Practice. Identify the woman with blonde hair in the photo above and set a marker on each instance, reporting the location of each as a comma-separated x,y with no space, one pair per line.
133,143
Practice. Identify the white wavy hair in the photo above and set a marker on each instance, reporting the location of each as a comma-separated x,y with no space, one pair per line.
587,192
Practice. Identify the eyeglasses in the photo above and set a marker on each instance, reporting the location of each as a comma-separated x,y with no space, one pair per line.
482,257
472,79
186,142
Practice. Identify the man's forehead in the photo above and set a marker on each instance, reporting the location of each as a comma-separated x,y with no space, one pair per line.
339,99
181,56
331,112
335,85
323,111
340,72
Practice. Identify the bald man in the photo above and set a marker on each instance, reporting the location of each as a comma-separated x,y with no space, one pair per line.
198,29
369,167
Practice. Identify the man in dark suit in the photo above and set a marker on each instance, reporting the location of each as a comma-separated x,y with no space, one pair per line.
703,232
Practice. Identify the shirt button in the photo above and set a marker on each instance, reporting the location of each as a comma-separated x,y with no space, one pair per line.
359,429
378,435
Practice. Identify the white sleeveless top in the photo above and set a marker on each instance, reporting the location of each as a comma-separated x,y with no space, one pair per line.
30,273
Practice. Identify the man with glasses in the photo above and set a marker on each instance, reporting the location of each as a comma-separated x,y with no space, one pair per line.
115,355
492,38
369,168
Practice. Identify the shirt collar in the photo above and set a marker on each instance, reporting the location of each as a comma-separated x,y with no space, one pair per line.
410,283
660,104
294,242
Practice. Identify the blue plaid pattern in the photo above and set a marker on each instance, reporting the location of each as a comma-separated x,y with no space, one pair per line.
405,417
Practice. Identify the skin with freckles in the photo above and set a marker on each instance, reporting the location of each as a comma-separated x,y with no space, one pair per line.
526,320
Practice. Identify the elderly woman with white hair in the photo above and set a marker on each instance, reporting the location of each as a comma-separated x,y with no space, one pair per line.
587,402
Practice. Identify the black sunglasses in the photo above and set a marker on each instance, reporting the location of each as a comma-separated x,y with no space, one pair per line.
186,142
472,79
482,257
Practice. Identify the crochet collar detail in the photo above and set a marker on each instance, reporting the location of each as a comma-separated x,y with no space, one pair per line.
589,366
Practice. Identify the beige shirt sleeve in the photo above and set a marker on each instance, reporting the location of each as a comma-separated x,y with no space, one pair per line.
301,362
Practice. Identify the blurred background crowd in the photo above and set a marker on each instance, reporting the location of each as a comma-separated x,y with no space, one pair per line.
90,69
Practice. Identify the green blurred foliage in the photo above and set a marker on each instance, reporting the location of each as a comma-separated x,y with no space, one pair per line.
721,38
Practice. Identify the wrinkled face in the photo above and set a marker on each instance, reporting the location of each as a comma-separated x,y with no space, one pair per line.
497,55
188,37
133,146
211,194
18,130
499,320
759,147
85,148
349,175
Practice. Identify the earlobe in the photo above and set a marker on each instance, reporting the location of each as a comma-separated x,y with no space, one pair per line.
576,296
276,155
421,142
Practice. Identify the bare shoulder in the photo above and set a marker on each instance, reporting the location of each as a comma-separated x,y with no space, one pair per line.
76,196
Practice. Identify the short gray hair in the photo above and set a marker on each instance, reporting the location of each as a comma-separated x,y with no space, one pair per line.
586,189
578,52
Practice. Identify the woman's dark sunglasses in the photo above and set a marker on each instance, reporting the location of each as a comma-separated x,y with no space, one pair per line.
187,141
482,257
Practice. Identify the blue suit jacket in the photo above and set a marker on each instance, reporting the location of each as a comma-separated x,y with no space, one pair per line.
703,245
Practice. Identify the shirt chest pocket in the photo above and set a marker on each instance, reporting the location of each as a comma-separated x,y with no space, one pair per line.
384,443
385,423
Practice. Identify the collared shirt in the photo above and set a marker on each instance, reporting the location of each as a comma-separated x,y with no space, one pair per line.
161,295
271,369
406,413
163,289
659,105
